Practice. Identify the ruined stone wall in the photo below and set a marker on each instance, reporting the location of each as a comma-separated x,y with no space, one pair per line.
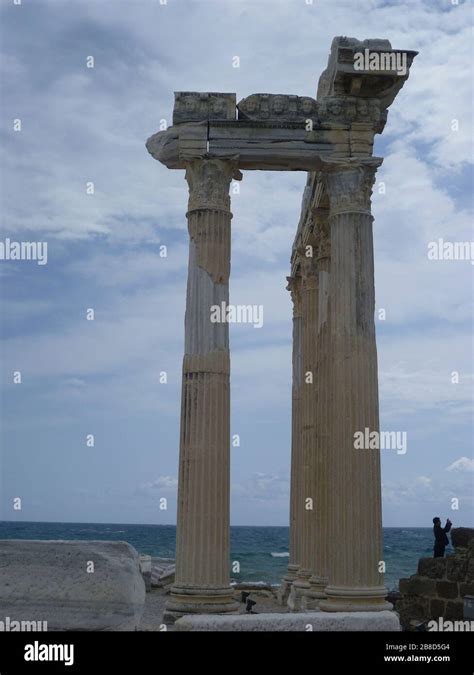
440,585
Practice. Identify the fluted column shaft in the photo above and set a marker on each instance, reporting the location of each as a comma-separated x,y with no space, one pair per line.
320,552
203,524
301,591
294,286
296,468
354,474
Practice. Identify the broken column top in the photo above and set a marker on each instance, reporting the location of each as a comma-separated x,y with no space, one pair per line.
365,68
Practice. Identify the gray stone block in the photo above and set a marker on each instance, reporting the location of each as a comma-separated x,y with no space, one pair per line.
434,568
456,568
461,536
466,589
145,569
73,585
162,572
417,585
413,608
447,589
307,621
470,570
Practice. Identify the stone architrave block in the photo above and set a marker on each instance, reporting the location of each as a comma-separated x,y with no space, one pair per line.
72,585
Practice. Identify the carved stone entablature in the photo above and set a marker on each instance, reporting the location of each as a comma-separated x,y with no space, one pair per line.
194,106
278,107
349,185
271,131
367,69
294,286
350,109
209,182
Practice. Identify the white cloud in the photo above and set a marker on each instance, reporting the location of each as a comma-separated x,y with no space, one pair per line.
262,487
463,464
433,490
162,483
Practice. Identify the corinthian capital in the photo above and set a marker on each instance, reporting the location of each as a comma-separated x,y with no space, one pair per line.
322,233
349,185
309,270
209,181
294,286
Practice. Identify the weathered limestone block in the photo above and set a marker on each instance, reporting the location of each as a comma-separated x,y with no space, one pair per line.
145,569
319,621
164,146
385,75
434,568
456,567
461,536
447,589
194,106
254,587
413,608
470,570
278,108
162,572
466,589
49,581
416,585
351,110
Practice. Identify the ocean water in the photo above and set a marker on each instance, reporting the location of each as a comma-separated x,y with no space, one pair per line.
261,551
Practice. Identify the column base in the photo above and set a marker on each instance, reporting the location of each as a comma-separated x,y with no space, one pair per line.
353,599
318,587
303,597
286,583
192,600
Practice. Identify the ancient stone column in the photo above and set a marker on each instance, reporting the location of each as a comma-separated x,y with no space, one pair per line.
320,540
354,474
302,595
203,531
294,286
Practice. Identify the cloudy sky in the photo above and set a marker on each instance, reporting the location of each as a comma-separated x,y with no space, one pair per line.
101,377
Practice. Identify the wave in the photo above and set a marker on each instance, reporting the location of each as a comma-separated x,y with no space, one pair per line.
107,531
255,584
280,555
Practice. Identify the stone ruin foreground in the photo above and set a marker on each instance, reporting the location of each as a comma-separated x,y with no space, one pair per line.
335,546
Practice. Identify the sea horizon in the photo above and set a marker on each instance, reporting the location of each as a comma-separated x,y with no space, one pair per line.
109,522
262,551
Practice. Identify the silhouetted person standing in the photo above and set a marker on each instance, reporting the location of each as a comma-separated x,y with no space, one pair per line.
440,535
